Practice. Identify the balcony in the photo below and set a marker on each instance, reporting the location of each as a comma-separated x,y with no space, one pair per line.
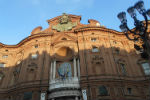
64,83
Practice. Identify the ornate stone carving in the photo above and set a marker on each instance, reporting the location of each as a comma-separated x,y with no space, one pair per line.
96,59
121,61
32,67
64,24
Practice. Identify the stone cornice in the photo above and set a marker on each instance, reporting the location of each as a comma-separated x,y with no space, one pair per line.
25,40
87,28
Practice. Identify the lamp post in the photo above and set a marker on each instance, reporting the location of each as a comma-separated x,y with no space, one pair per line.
140,36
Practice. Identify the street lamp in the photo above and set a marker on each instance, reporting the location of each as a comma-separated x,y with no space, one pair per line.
140,31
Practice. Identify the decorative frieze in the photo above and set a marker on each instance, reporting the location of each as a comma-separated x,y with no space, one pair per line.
32,67
96,59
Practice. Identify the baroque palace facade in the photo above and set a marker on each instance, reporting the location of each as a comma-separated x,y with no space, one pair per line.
73,61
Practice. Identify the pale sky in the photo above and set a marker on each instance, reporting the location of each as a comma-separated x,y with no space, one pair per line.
19,17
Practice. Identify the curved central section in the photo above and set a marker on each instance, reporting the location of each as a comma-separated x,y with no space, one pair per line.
65,73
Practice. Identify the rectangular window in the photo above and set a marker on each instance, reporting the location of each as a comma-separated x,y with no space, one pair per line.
34,56
129,91
5,56
2,65
146,68
93,39
36,46
95,49
27,96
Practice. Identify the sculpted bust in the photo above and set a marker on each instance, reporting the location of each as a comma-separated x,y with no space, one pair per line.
64,24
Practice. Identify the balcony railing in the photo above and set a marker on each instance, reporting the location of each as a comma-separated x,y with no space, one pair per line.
64,83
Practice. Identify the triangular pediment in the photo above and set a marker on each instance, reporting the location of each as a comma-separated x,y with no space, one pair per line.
63,37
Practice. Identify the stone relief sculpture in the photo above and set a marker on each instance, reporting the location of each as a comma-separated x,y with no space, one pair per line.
32,67
65,24
97,59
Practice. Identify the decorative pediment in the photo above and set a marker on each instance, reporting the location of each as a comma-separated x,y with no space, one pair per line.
65,24
63,37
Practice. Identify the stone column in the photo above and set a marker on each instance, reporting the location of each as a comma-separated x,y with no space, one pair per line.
51,71
75,68
54,70
78,61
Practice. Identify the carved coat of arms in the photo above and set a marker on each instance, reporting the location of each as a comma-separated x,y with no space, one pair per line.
64,24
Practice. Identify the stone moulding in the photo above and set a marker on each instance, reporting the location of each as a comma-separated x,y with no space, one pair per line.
64,93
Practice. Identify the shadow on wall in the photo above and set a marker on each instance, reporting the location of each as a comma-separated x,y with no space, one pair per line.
98,66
